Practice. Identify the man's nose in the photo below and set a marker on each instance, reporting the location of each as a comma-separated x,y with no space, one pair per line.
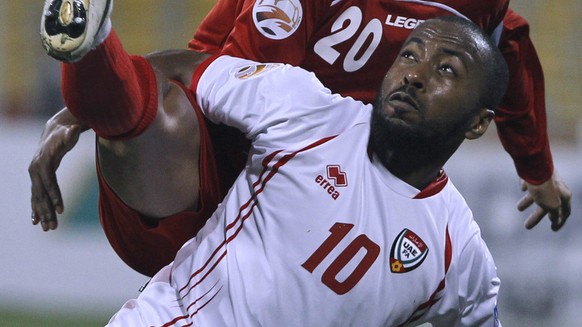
414,79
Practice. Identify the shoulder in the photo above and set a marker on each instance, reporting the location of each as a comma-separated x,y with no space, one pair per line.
488,14
460,220
225,72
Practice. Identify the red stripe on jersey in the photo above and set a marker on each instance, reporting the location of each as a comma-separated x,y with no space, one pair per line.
207,273
244,206
448,251
173,322
265,163
434,187
203,295
260,182
250,204
177,319
436,295
205,304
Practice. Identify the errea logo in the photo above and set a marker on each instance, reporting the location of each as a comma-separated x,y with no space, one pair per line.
339,177
335,178
277,19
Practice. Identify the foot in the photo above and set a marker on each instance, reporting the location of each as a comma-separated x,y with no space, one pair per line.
69,28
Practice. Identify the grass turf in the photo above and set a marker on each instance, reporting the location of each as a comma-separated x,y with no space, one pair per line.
11,318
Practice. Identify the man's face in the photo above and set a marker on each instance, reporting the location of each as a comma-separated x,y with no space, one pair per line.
431,92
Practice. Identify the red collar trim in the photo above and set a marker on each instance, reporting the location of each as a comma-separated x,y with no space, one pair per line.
434,187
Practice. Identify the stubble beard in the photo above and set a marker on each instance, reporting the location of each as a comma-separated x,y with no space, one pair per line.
395,140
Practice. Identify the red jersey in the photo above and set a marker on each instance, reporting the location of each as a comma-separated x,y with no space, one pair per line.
350,44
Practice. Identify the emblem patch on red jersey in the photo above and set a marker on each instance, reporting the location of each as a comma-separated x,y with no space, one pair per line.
408,252
277,19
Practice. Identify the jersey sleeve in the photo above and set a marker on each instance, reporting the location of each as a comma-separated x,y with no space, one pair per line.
265,31
521,117
274,104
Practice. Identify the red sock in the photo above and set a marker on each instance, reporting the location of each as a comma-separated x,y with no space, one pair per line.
110,91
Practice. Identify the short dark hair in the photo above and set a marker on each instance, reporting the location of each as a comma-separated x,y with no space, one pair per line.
496,73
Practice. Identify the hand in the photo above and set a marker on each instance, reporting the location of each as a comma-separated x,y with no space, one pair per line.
552,197
59,136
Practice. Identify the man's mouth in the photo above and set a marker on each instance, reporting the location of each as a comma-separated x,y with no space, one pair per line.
402,101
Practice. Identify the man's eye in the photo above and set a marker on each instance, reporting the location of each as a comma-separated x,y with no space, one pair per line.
407,55
447,69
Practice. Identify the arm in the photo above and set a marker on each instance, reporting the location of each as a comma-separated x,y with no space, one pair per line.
260,100
59,136
521,122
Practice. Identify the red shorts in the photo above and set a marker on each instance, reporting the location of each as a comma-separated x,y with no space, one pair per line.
146,247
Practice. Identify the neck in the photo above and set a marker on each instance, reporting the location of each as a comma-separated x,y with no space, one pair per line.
420,177
418,170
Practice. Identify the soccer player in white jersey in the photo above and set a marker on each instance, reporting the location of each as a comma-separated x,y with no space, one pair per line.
343,215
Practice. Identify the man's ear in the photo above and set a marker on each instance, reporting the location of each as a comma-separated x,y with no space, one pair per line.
480,124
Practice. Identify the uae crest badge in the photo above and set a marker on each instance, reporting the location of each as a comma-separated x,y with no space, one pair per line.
408,252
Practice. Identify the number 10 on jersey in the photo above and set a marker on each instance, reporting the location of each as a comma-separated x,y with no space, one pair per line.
339,231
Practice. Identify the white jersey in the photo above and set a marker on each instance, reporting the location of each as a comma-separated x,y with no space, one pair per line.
315,231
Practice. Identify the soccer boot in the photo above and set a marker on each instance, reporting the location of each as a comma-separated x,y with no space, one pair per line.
69,28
